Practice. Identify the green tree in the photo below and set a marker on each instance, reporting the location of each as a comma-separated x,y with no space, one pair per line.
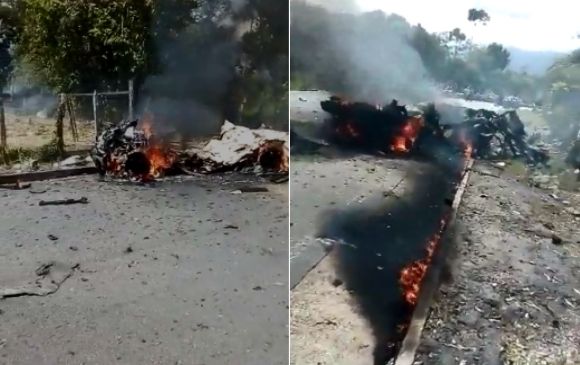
565,72
478,15
83,45
8,31
456,42
264,79
499,57
491,58
432,53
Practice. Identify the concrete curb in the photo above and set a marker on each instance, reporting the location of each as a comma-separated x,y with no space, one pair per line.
45,175
305,262
410,344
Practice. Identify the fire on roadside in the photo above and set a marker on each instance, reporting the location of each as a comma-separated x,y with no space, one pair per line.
134,150
412,275
144,158
160,159
403,142
465,144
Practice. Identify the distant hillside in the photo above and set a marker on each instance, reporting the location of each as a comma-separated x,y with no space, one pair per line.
533,62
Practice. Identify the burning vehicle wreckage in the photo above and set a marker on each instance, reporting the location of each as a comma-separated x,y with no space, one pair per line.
129,150
393,128
396,129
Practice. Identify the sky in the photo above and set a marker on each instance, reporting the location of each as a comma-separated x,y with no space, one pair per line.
531,25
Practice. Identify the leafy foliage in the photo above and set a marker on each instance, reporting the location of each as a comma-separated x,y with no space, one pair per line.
433,54
449,58
493,57
565,72
8,26
74,44
265,81
478,15
78,45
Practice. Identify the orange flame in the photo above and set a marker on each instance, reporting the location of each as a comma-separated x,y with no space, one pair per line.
408,134
412,275
468,150
160,160
399,144
465,144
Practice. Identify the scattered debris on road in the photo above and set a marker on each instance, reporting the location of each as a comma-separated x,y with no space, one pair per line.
83,200
16,186
253,189
51,276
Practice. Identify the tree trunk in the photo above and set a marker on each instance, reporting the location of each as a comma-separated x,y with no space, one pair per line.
3,137
59,124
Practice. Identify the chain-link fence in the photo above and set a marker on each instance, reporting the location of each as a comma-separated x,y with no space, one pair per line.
71,122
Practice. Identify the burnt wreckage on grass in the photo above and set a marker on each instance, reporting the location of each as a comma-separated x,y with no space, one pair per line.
394,128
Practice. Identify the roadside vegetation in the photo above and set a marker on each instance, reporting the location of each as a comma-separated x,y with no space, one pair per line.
77,46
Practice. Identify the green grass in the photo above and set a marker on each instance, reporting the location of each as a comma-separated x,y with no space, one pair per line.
45,153
9,156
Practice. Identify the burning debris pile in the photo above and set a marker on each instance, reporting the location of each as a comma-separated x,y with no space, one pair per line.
129,150
494,135
386,129
240,147
125,151
394,128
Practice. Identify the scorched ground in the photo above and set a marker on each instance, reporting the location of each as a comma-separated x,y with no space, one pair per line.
350,308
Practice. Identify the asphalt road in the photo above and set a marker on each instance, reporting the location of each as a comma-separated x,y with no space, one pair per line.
182,272
378,213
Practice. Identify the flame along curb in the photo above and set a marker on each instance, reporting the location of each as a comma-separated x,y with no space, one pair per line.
45,175
406,355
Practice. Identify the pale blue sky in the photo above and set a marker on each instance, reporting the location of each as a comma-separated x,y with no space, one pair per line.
533,25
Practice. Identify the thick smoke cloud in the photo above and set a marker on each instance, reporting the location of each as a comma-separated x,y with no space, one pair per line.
363,55
198,67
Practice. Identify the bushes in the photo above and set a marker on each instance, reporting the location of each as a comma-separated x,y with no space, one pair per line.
46,153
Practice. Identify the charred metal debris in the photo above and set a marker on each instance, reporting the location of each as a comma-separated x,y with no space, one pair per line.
132,150
394,128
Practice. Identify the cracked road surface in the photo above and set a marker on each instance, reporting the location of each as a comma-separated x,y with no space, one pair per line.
182,272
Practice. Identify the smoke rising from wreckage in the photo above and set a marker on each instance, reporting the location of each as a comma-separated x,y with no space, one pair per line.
132,150
395,129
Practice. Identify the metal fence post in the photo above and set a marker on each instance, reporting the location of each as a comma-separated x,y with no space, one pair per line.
60,124
131,99
95,114
3,133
